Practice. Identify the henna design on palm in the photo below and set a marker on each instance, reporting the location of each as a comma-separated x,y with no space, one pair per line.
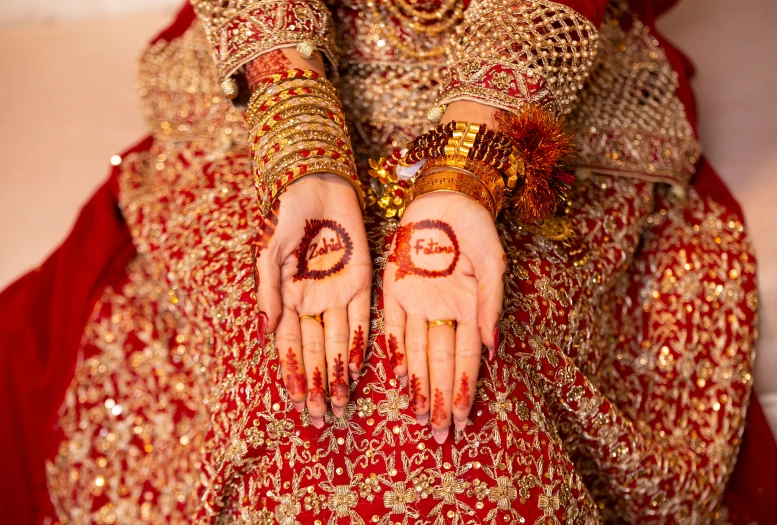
418,254
325,244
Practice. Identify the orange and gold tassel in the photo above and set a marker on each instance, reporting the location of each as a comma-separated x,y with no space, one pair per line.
546,149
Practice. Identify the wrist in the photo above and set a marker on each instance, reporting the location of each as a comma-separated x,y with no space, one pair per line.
279,61
469,111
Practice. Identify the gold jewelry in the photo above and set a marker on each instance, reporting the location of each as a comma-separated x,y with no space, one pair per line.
268,119
297,128
440,322
464,183
272,184
486,174
272,153
315,317
260,105
337,118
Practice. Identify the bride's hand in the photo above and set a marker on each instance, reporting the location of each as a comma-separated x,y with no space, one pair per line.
446,263
313,259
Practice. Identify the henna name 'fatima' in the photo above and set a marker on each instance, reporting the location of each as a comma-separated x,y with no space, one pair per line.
308,250
404,251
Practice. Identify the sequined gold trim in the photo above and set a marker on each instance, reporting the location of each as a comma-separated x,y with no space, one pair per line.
180,94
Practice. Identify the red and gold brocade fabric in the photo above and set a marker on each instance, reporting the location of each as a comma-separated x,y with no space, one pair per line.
619,393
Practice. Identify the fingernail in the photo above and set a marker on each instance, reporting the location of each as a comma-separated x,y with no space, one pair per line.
339,411
354,376
403,381
318,422
440,435
423,419
299,407
497,342
460,424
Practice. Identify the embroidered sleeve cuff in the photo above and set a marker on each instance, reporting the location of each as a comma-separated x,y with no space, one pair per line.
508,53
239,31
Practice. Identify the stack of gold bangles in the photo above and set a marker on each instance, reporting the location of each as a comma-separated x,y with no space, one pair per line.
458,157
297,129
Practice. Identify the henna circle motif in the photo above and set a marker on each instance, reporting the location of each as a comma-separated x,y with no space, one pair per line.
402,255
308,250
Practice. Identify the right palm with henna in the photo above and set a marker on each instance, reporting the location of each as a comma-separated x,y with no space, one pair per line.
446,264
313,259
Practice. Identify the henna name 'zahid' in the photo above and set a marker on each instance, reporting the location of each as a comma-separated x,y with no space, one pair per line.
326,247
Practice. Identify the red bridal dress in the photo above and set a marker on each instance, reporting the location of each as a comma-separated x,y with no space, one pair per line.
139,383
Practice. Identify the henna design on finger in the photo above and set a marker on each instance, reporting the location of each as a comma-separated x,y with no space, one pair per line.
325,249
417,399
317,393
356,355
295,380
396,358
416,251
461,400
263,237
264,65
439,414
338,387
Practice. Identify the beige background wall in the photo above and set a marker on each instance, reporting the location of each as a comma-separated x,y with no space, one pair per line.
69,103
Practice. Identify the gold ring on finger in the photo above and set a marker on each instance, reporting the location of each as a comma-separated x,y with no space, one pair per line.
315,317
439,322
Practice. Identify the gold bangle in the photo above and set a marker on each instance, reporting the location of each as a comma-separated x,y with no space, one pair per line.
465,184
295,124
488,175
296,83
266,117
275,152
338,118
271,185
257,107
307,150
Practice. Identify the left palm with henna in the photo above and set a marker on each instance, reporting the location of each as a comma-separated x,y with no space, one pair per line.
313,258
446,263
